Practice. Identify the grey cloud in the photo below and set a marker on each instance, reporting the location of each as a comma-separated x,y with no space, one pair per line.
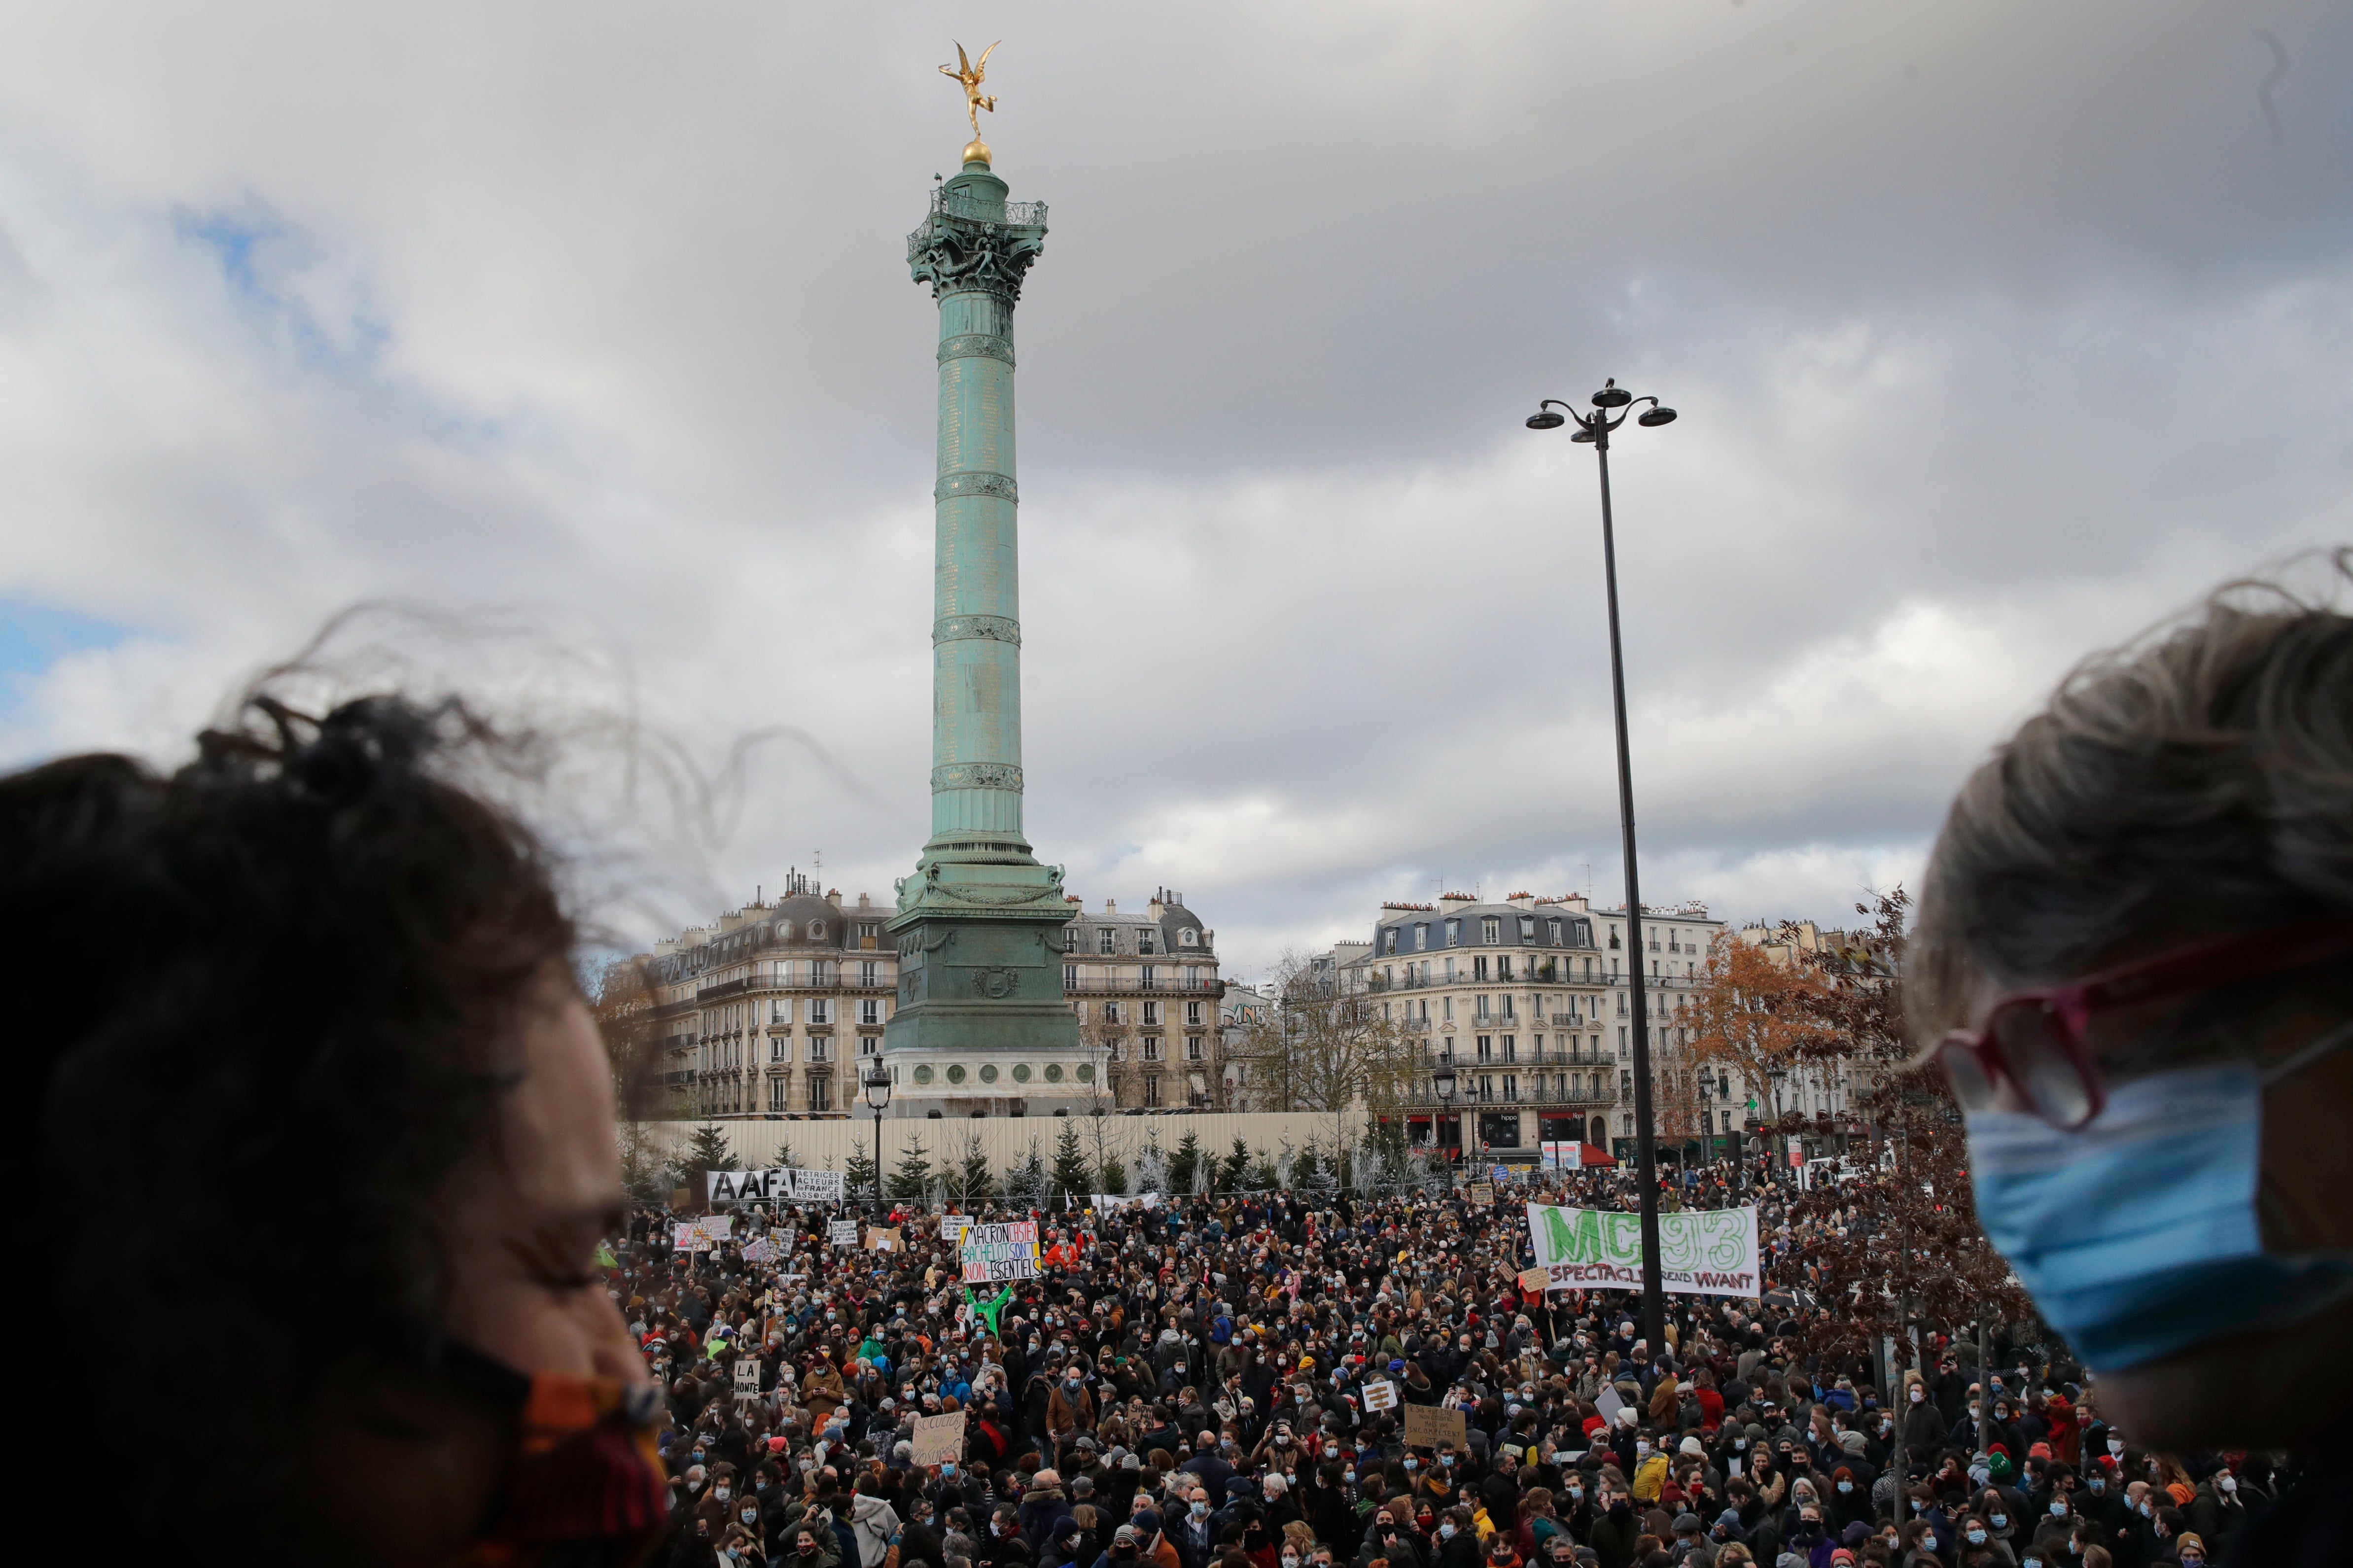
1998,331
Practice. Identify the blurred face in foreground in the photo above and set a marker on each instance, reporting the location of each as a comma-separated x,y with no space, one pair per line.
405,1472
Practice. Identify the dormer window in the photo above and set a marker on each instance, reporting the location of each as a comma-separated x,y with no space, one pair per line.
1555,933
1454,933
1144,942
1103,939
1491,930
1070,939
784,930
1188,937
1422,937
1529,928
1388,939
816,931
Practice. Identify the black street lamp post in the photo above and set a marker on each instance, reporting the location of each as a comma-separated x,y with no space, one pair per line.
1594,428
1442,1079
877,1085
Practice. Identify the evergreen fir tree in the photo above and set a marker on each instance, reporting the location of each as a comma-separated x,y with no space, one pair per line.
913,1179
1261,1174
1071,1173
1112,1176
858,1174
1234,1167
706,1151
1185,1165
1027,1183
975,1183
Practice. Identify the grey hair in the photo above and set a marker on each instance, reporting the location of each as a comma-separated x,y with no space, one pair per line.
2198,779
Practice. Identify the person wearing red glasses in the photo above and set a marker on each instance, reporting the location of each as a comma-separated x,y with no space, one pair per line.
2135,961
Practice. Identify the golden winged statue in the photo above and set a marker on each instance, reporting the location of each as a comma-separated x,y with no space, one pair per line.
971,74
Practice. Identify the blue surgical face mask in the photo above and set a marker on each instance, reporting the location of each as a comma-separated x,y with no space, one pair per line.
2138,1235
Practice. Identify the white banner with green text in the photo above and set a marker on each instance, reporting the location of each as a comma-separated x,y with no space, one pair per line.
1701,1252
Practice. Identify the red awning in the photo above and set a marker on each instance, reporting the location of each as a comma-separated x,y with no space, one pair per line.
1586,1154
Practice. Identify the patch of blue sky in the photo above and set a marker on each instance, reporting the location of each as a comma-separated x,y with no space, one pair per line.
319,302
291,282
35,636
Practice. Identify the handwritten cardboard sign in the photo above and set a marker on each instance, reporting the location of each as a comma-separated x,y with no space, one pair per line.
1427,1425
841,1232
1381,1393
939,1439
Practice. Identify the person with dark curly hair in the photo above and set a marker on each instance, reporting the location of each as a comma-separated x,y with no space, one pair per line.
324,1113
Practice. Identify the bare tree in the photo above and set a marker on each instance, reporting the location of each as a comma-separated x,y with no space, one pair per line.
1322,1048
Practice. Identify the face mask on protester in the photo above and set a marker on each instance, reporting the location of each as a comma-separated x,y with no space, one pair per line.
1446,1530
720,1492
2138,1234
577,1440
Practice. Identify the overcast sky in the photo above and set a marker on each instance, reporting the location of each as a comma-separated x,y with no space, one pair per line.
1998,330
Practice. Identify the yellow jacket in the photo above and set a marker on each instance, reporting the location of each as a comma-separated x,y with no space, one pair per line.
1651,1479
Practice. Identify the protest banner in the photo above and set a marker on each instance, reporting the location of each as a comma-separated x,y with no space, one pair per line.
1109,1202
939,1439
994,1254
1381,1393
747,1378
879,1240
1428,1426
1701,1252
1482,1192
954,1226
841,1232
783,1185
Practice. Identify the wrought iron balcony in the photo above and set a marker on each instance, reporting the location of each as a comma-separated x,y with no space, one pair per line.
972,208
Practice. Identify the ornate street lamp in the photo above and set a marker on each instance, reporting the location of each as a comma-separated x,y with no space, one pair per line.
877,1085
1442,1082
1594,430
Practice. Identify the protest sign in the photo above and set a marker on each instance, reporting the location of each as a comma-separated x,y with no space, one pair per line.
680,1196
841,1232
683,1233
939,1439
1482,1192
783,1185
1701,1252
759,1252
1534,1280
1109,1202
1427,1425
1381,1393
1607,1405
747,1378
954,1226
879,1240
717,1226
994,1254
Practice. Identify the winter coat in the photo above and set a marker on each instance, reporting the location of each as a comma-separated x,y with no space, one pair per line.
873,1522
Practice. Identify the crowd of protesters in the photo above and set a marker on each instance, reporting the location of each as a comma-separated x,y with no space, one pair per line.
1199,1383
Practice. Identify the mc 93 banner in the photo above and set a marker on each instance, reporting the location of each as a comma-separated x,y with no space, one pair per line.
1701,1252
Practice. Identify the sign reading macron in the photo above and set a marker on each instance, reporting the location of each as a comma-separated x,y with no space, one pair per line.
1701,1252
994,1254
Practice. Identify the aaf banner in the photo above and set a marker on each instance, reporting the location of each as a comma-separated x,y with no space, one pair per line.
994,1254
783,1185
1701,1252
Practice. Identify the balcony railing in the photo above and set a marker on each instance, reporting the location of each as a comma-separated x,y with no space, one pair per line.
963,204
1094,984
